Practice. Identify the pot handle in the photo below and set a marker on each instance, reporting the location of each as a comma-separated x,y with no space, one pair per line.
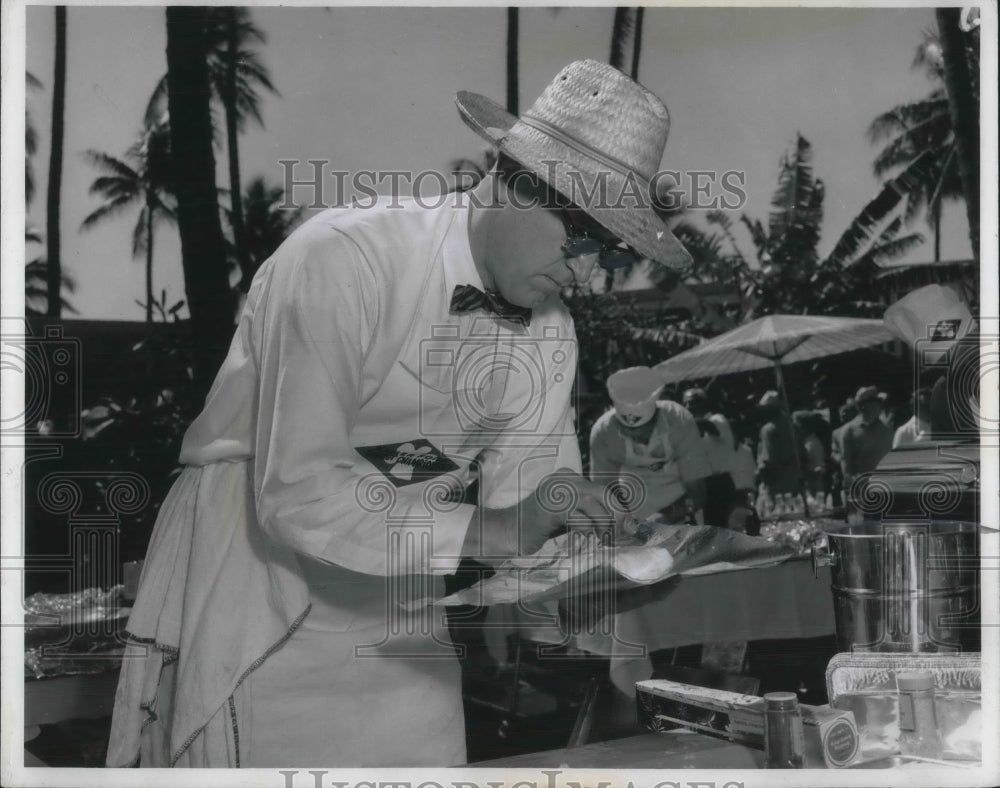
821,556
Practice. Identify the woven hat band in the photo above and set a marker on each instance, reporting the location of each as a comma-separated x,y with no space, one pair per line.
582,148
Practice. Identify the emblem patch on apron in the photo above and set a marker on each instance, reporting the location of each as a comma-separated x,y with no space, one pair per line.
410,462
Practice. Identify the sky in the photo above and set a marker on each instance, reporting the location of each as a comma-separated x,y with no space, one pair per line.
373,88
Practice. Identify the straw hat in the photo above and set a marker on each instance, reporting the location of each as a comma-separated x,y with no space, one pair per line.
591,123
633,393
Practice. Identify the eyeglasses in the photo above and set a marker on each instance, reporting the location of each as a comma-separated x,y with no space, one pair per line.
611,253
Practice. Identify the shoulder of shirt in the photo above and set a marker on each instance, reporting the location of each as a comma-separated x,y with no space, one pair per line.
389,234
604,423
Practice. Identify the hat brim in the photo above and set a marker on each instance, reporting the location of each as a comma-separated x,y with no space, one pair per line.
635,222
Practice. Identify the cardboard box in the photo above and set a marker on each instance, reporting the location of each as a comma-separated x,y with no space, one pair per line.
831,735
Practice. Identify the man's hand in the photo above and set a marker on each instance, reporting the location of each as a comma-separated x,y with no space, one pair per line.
563,498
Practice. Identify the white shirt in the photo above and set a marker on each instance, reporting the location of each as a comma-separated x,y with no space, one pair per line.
347,343
350,403
673,457
911,432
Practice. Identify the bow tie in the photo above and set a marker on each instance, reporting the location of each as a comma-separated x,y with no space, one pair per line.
466,298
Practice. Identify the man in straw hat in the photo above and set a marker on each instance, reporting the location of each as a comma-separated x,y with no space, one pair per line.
653,447
385,356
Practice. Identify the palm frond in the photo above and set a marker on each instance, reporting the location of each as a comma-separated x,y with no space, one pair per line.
157,103
893,249
877,211
757,234
794,193
110,164
140,237
114,186
907,117
111,208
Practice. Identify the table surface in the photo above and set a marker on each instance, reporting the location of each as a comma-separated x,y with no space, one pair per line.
672,750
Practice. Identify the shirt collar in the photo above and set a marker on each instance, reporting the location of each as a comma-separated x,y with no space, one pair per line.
456,252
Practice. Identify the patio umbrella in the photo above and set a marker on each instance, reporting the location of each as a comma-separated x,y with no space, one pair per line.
772,342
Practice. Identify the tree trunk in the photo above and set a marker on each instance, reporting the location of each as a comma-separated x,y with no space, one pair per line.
964,109
232,148
637,42
512,66
619,38
936,225
149,262
53,242
203,248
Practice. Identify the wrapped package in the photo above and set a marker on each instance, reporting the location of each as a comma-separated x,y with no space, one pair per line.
865,683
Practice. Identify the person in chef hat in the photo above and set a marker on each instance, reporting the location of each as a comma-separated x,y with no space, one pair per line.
935,321
653,447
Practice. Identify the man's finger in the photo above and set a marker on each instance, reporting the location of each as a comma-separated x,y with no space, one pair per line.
591,512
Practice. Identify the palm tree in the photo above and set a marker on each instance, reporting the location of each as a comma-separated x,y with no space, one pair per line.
141,177
637,42
203,246
236,77
52,253
30,141
267,224
512,64
625,29
916,128
786,274
960,57
36,288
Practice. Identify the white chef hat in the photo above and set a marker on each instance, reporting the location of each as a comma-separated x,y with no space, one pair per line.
633,392
933,317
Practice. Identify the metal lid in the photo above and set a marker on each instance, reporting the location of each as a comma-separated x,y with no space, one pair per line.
915,680
781,700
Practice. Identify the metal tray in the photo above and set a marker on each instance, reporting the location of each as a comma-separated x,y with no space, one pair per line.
865,683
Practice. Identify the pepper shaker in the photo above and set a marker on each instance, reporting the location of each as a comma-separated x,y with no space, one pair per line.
783,731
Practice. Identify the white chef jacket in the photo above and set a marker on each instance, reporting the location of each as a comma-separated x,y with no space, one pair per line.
672,458
911,432
348,407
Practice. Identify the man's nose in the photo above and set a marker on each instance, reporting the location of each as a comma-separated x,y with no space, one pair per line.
582,267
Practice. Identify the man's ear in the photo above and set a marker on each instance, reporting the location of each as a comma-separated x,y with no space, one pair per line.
499,187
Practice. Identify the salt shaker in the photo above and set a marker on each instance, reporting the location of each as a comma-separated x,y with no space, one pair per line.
783,731
918,727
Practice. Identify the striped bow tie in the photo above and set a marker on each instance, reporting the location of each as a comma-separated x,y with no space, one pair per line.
466,298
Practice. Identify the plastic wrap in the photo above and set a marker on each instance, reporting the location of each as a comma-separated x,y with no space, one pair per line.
81,632
572,564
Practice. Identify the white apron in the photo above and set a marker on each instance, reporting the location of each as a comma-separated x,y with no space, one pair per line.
656,468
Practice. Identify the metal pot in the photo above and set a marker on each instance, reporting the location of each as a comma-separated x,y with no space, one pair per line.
904,586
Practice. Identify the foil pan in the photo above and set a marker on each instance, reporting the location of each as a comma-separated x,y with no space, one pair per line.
865,683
